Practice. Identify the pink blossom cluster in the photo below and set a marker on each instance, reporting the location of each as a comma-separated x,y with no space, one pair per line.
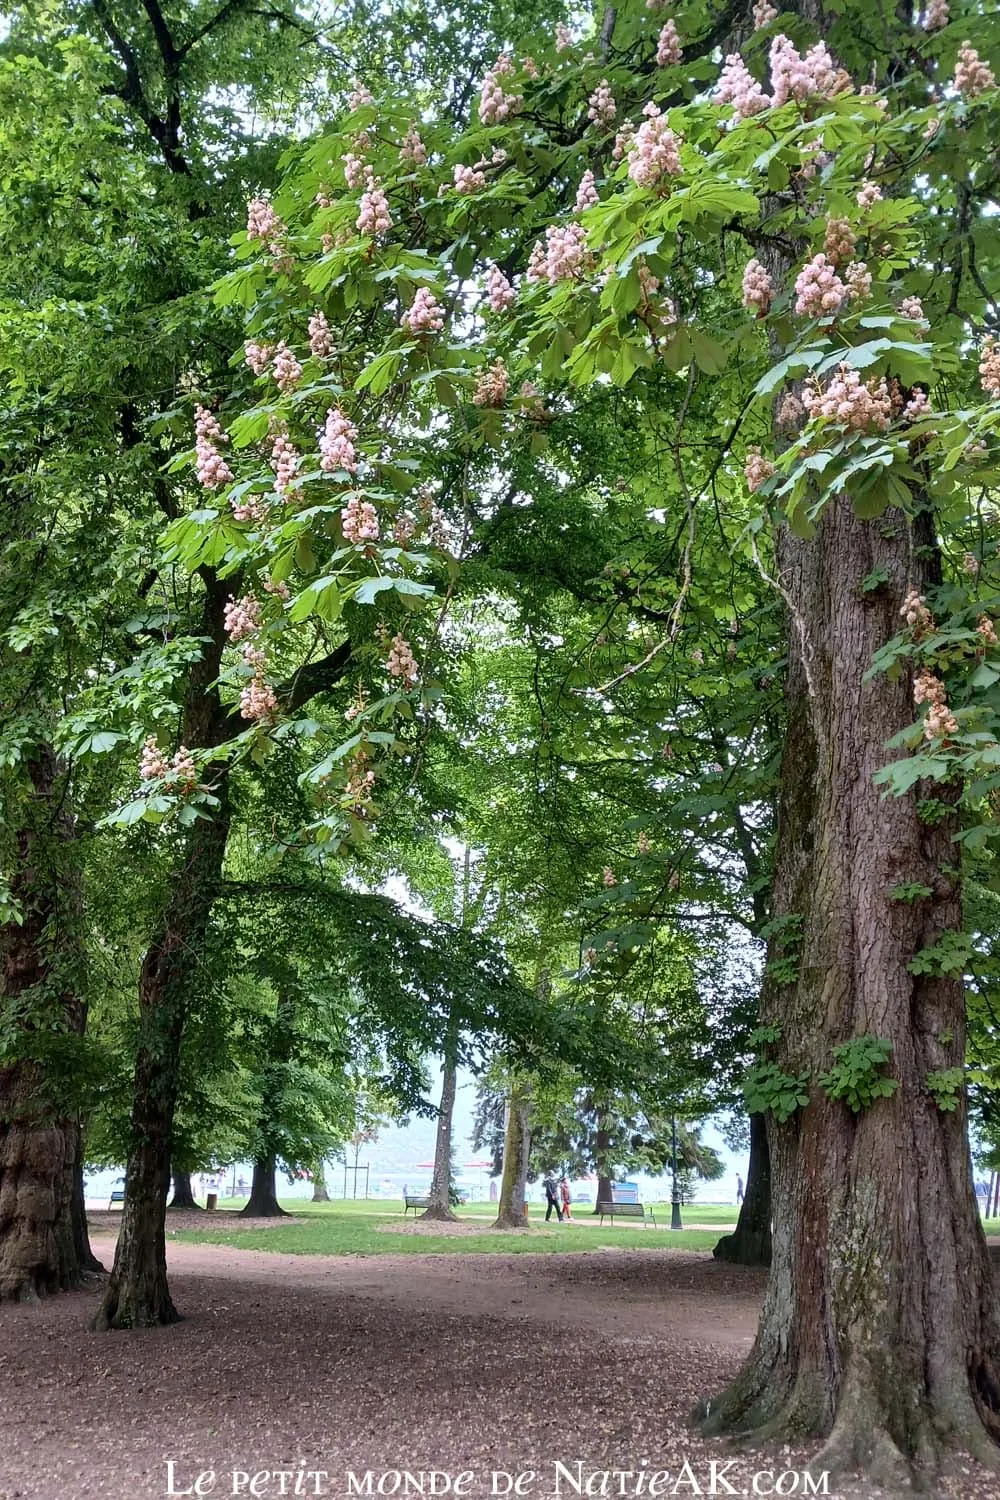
374,217
354,169
668,46
412,148
564,37
535,269
737,86
915,613
940,722
401,663
154,766
937,14
918,406
284,461
249,508
469,180
586,193
868,193
286,369
818,289
500,294
601,106
279,589
212,470
987,631
797,77
970,564
337,439
492,385
763,13
565,250
989,366
495,105
790,411
757,470
257,356
654,153
972,76
758,289
838,242
360,784
320,336
912,307
359,521
403,528
860,406
530,67
263,223
359,96
424,314
608,877
257,700
242,617
643,846
622,139
858,280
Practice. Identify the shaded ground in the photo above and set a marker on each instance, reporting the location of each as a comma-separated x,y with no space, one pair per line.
454,1362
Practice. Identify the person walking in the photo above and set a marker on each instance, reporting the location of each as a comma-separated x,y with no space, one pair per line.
564,1196
551,1197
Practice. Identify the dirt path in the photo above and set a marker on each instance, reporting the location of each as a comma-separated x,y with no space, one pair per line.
290,1372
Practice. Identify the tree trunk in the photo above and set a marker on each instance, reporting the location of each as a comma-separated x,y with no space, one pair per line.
750,1242
320,1194
86,1259
512,1213
440,1193
183,1192
879,1326
602,1163
40,999
137,1295
263,1202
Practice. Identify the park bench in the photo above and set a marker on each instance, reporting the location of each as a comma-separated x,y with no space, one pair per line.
410,1201
625,1211
118,1196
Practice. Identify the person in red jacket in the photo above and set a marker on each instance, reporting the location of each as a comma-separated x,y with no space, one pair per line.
564,1196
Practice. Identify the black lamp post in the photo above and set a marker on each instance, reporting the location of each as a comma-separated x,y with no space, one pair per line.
675,1197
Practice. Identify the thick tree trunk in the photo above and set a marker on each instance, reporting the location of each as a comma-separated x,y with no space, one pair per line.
879,1326
320,1194
86,1259
440,1193
137,1295
512,1213
40,995
183,1192
602,1162
263,1202
750,1242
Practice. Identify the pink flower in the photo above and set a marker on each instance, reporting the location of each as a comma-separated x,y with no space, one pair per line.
336,443
654,153
737,86
838,241
819,291
354,169
858,280
756,470
286,370
608,877
758,290
242,617
668,46
499,291
495,105
586,193
412,148
492,385
424,315
989,366
257,356
263,223
972,76
374,217
359,521
847,402
284,461
564,37
212,470
401,662
320,336
936,15
601,107
153,764
869,193
912,307
795,77
918,406
566,247
359,96
469,180
763,13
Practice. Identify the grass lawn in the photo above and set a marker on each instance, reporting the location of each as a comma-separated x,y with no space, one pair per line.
351,1228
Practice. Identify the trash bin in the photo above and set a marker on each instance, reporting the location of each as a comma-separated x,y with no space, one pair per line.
212,1201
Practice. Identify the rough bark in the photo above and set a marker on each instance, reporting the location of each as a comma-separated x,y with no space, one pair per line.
879,1327
41,998
320,1194
511,1212
86,1259
602,1164
263,1201
750,1242
440,1193
183,1192
137,1295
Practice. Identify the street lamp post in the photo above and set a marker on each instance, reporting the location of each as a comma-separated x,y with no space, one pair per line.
675,1197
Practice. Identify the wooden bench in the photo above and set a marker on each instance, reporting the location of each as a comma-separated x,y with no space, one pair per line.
626,1211
410,1201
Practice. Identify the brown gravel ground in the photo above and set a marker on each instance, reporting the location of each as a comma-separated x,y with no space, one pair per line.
456,1363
